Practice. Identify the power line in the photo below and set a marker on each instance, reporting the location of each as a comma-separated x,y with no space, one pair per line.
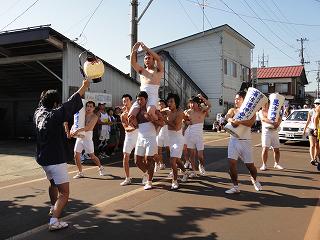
265,19
89,20
207,42
258,32
9,8
268,26
267,10
19,15
185,11
204,14
284,17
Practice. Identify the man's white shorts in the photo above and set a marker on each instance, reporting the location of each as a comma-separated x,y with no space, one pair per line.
270,139
194,142
130,141
162,138
176,142
240,149
58,173
146,146
84,144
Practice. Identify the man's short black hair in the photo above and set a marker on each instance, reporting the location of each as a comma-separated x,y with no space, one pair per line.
196,100
164,101
175,97
91,102
142,94
49,98
127,95
242,94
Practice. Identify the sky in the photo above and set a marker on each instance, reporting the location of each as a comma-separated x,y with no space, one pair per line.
108,32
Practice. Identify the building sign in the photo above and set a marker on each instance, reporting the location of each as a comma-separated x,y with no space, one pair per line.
99,98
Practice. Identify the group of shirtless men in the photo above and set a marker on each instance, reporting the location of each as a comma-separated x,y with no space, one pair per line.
149,129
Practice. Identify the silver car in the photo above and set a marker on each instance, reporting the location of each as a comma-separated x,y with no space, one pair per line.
291,129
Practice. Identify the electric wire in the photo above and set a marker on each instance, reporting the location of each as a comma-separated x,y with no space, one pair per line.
16,18
85,26
265,19
266,39
270,29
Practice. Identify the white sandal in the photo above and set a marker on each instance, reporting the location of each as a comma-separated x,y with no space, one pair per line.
58,225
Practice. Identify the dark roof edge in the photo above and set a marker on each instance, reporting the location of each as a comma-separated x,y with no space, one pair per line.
207,32
66,39
105,62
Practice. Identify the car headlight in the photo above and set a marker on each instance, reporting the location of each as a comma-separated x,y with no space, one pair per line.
301,129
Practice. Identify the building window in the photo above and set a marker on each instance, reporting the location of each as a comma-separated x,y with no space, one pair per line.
264,88
245,71
234,69
230,68
225,63
281,87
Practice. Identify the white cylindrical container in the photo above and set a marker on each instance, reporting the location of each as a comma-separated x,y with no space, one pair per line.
276,102
253,101
79,121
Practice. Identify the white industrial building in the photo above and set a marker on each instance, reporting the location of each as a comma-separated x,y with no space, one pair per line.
39,58
215,62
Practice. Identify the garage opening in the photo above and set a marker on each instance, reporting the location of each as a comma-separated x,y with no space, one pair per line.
30,62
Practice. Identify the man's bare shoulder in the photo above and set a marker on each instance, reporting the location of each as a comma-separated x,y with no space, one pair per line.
231,111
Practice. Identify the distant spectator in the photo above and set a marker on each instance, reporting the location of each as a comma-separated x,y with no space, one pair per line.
222,122
119,127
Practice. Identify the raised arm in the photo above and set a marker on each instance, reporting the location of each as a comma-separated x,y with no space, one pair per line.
206,102
133,58
156,57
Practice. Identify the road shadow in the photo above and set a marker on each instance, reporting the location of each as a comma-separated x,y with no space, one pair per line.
18,217
20,147
129,224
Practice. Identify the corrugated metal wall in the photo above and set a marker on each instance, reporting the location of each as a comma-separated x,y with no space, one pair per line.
113,82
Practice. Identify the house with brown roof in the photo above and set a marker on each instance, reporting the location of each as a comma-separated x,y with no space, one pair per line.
289,81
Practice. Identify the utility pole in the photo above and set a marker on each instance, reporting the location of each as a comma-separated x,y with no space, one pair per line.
134,26
301,40
264,61
134,29
318,79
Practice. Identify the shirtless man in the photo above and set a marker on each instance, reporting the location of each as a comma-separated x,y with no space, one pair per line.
130,138
146,146
269,138
150,78
162,139
174,121
194,117
241,148
86,143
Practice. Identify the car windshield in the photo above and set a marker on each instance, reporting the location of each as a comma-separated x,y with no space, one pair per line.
298,116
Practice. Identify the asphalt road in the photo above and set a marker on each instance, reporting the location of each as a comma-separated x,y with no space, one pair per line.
99,208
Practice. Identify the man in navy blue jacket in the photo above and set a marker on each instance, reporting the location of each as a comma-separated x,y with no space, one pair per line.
51,146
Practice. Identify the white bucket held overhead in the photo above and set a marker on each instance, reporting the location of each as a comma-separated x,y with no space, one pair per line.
253,101
93,68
